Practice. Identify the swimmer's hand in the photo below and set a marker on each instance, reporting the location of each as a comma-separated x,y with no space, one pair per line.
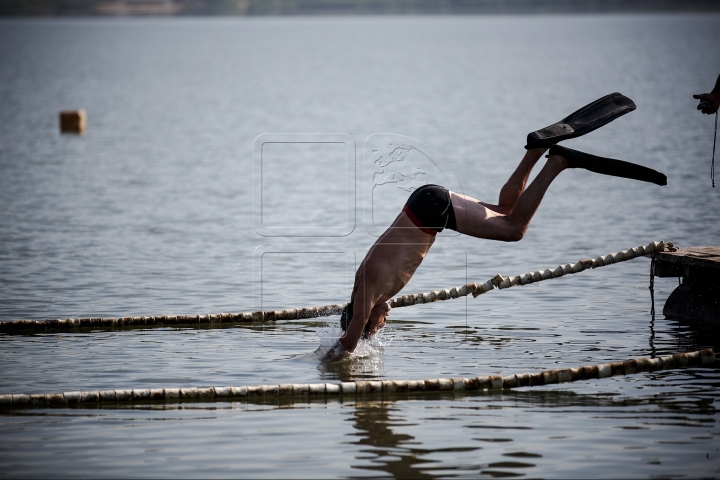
709,102
337,352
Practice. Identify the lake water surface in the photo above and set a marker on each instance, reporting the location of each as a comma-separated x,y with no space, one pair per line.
169,205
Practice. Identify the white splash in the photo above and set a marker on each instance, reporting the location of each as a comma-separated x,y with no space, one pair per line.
368,355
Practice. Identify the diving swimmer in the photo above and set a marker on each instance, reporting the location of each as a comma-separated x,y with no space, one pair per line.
399,251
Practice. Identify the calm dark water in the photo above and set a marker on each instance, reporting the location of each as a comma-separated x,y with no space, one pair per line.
169,205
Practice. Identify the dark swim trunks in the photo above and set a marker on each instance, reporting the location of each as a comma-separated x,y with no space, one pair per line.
430,209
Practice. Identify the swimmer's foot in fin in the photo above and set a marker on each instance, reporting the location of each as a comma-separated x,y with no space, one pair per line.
608,166
588,118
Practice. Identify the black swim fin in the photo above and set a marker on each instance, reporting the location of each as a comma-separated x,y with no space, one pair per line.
588,118
608,166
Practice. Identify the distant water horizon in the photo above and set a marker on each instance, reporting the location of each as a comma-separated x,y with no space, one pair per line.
49,8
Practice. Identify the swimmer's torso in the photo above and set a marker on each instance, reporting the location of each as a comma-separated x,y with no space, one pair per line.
392,260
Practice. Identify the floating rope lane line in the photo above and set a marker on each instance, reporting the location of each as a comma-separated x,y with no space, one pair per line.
359,388
499,282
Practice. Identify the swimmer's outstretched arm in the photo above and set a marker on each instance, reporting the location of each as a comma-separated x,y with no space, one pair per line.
347,343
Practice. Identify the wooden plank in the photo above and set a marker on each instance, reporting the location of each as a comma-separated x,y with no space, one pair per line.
700,257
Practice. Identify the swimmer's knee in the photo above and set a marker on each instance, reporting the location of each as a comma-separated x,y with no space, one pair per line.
511,229
515,238
515,234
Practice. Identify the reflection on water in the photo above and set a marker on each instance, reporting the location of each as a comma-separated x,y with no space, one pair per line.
386,450
685,335
381,425
512,433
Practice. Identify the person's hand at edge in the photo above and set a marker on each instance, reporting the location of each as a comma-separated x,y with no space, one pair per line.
709,102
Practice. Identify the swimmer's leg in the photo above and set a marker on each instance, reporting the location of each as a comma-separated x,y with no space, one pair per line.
476,219
515,185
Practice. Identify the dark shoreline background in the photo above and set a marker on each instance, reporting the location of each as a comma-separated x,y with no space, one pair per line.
51,8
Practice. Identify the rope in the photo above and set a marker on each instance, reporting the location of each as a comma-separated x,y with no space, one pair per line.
712,163
706,104
498,281
359,388
653,265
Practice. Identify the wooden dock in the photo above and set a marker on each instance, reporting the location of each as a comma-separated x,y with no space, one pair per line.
698,297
